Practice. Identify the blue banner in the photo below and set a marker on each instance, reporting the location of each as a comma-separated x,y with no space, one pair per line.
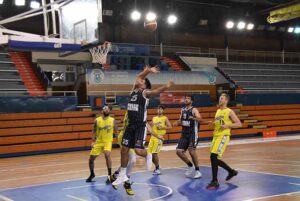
37,104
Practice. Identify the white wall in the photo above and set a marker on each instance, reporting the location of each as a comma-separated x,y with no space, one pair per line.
81,56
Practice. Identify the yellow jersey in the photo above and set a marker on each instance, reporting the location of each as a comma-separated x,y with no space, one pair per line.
159,121
105,129
222,117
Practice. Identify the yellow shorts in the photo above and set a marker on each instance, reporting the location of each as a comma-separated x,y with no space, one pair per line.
219,144
120,137
99,147
154,145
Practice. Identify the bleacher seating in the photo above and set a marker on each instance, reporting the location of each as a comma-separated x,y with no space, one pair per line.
11,83
31,79
57,131
263,76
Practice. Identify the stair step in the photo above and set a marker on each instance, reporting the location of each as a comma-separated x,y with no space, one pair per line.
260,126
251,121
243,115
236,110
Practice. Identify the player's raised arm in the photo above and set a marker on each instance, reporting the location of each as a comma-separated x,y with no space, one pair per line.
142,75
157,91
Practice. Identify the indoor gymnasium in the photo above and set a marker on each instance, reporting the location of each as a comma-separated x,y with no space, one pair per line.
144,100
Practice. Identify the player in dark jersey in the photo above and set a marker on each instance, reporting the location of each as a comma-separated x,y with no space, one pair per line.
135,132
189,120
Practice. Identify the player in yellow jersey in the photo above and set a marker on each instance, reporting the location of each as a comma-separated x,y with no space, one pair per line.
225,120
102,138
160,124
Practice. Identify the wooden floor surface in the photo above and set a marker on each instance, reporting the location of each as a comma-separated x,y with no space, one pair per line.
279,157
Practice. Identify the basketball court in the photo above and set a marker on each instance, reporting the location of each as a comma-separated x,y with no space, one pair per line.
268,166
262,176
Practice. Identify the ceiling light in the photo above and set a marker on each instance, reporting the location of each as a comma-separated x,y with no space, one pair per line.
229,24
297,30
172,19
290,29
250,26
241,25
135,15
1,1
34,4
150,16
20,2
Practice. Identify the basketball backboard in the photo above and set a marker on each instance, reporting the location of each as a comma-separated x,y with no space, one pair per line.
81,20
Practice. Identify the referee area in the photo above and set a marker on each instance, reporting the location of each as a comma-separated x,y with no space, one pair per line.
268,170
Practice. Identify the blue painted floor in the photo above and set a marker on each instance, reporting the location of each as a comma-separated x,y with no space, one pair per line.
172,185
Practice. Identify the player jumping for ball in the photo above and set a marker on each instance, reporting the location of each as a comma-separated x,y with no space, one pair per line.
135,132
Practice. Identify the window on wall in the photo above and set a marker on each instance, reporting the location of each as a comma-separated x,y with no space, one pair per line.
70,77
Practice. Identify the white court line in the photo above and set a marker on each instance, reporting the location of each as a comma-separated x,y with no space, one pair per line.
239,142
245,170
166,148
53,174
76,198
162,186
294,184
77,179
262,159
84,186
261,164
3,198
158,198
54,163
268,173
271,196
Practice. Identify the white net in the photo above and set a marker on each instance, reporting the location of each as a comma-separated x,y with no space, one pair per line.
99,53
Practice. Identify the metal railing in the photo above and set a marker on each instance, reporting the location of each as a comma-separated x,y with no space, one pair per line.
126,93
10,92
267,91
167,50
256,56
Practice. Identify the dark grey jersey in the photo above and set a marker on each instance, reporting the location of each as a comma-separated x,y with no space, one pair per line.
137,107
188,125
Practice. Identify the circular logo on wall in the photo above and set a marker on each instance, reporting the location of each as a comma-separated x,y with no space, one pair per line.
97,76
212,78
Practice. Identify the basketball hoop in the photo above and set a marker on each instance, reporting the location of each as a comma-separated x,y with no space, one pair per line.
99,53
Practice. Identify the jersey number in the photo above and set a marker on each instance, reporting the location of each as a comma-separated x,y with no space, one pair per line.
133,98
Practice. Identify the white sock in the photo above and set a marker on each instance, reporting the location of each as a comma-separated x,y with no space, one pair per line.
122,171
131,162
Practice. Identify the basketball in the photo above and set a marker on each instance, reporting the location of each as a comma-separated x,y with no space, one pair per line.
150,26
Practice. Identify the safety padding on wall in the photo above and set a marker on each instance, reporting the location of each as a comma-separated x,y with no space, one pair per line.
37,104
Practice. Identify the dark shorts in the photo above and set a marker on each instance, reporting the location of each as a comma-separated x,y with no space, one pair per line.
188,140
135,136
